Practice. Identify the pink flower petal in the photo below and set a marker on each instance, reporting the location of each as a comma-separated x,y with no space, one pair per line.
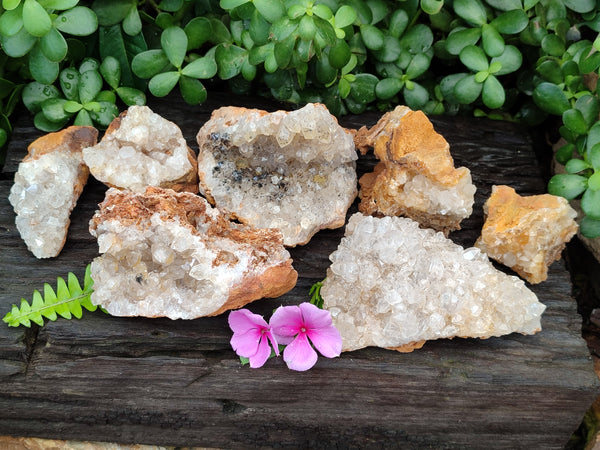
273,341
246,344
314,317
299,355
262,354
286,321
327,341
243,320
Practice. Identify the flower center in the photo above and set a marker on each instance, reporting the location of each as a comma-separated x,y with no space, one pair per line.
303,329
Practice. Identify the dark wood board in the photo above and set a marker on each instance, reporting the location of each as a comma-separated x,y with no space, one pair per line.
157,381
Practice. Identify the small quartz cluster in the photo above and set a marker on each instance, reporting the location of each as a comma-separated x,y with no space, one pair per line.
294,171
47,185
394,285
140,149
416,176
527,233
171,254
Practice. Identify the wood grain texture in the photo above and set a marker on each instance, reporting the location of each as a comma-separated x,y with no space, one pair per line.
157,381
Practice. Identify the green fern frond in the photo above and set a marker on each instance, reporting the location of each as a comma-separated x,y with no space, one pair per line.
68,301
315,294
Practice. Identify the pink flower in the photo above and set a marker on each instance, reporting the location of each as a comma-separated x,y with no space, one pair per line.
251,336
296,325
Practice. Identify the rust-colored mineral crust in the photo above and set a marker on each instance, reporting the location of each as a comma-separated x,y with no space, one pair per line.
416,176
526,233
47,185
171,254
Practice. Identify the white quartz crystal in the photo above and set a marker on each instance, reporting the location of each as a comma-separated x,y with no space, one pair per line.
416,176
45,191
170,254
392,284
140,149
294,171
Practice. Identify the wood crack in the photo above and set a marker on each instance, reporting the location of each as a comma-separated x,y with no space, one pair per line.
30,339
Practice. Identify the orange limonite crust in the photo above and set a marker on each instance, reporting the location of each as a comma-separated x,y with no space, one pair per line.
526,233
407,146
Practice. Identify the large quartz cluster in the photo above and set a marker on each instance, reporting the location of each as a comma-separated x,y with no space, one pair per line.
416,176
527,233
140,149
394,285
47,186
171,254
294,171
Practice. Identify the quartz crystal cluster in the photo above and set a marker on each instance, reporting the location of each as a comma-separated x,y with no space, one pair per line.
394,285
294,171
140,149
171,254
47,186
526,233
416,176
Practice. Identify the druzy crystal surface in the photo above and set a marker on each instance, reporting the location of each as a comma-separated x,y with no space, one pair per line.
140,149
47,186
171,254
526,233
416,176
294,171
394,285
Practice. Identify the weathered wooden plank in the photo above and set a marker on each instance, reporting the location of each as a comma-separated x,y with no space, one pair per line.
169,382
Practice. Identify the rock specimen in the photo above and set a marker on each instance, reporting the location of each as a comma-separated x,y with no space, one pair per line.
47,185
526,234
394,285
416,176
294,171
171,254
140,149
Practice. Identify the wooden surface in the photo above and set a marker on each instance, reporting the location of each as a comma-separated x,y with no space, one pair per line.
157,381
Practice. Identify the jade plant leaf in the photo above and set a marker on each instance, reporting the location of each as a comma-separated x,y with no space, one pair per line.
203,68
35,18
589,227
566,185
492,93
18,44
590,201
511,22
472,11
551,98
174,43
78,21
54,45
163,83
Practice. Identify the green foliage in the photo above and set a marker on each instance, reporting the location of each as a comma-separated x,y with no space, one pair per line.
516,59
315,294
67,301
81,97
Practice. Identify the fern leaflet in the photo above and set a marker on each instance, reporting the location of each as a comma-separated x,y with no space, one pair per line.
68,301
315,294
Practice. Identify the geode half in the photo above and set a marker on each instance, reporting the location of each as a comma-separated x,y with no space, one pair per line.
47,185
171,254
139,149
294,171
392,284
